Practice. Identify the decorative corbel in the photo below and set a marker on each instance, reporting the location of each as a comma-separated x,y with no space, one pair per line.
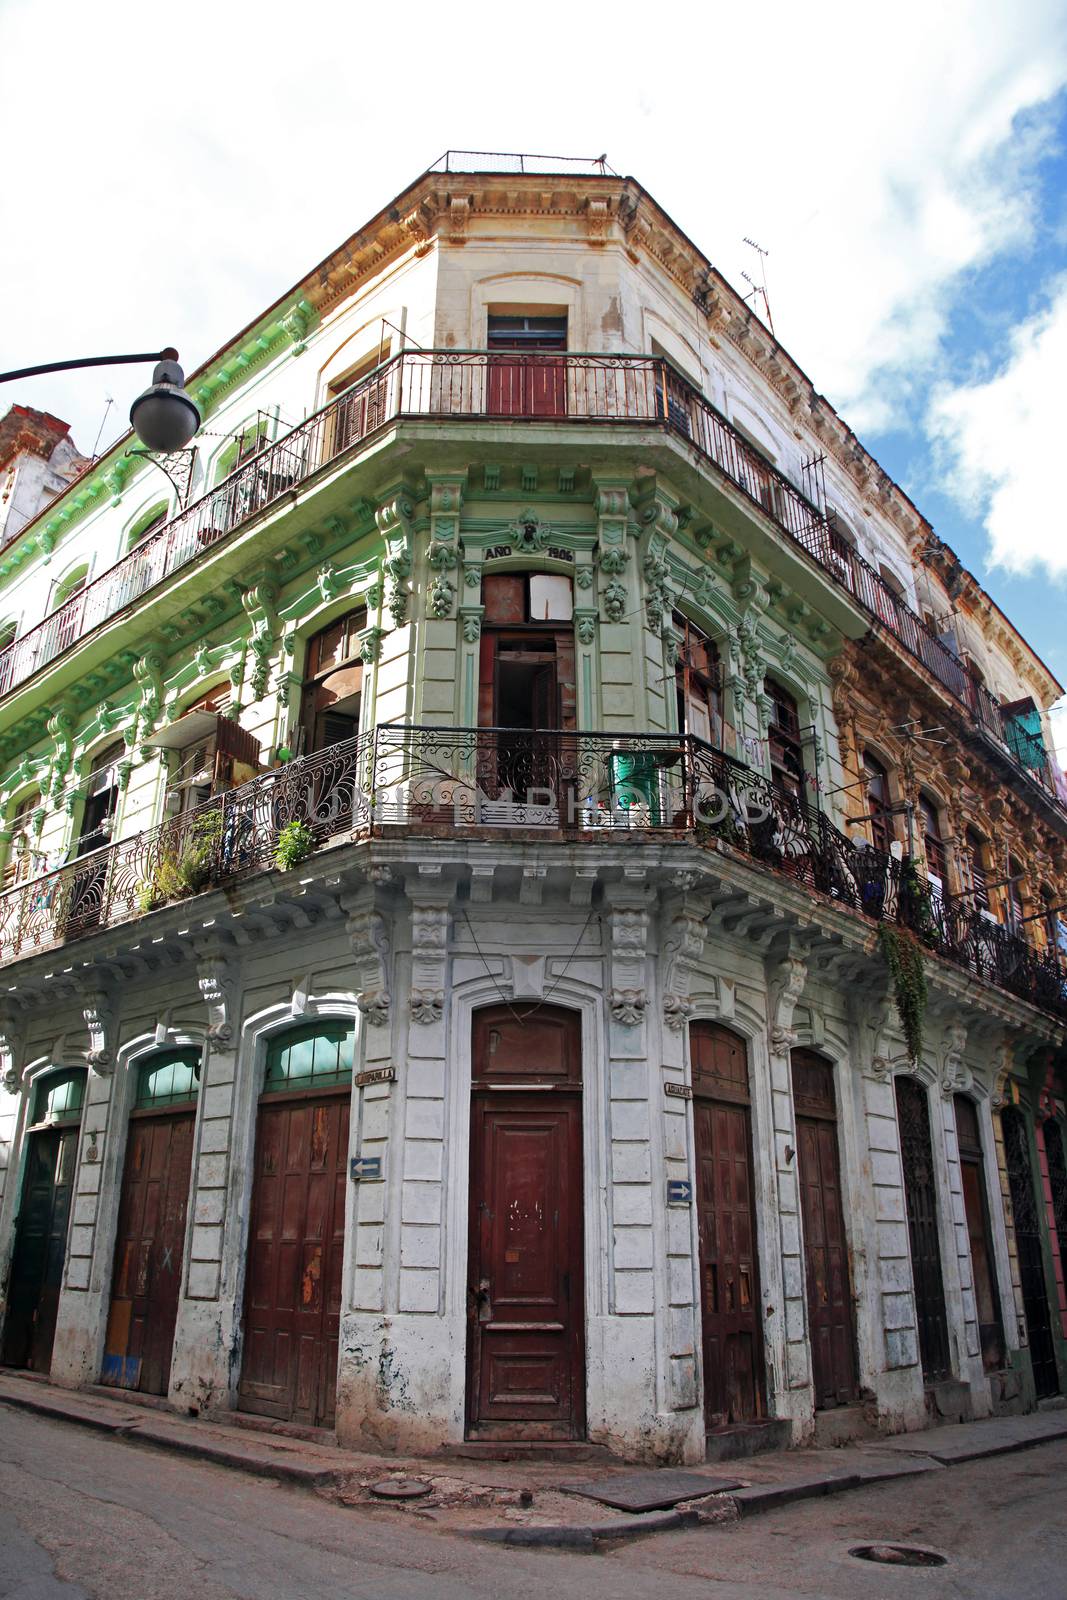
215,982
628,932
368,936
430,921
682,949
393,517
148,674
786,977
99,1016
954,1073
12,1044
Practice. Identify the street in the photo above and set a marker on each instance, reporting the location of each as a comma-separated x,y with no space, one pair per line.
86,1516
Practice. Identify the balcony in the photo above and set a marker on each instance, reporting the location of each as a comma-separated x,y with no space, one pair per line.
579,788
522,388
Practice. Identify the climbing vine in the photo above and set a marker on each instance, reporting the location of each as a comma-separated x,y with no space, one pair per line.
904,958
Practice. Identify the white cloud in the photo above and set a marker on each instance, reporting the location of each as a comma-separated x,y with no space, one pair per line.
167,182
1002,446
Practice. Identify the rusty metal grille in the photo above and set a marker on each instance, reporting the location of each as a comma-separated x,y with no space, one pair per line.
1057,1174
1027,1219
920,1193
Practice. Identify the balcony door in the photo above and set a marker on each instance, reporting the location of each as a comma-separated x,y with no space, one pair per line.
333,684
526,686
525,379
1029,1244
917,1158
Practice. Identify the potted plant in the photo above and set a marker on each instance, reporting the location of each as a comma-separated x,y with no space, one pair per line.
295,843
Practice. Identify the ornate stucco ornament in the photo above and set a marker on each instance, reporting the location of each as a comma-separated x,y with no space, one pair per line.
628,1006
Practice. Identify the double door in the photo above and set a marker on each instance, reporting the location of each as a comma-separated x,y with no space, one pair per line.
296,1245
831,1322
40,1248
732,1339
148,1252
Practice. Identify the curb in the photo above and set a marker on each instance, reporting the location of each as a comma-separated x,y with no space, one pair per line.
585,1536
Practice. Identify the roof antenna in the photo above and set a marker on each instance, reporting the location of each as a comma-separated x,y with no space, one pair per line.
761,287
110,402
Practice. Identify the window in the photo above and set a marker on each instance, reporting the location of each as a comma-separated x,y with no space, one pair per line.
526,666
363,406
936,860
21,857
1050,921
883,830
59,1097
1014,893
318,1055
147,524
333,683
101,799
976,867
8,633
521,597
787,756
698,680
170,1078
70,586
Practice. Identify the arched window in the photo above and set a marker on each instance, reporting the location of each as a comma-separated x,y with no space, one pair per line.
59,1097
1050,918
787,755
933,844
976,866
316,1055
333,683
8,633
71,585
698,682
883,829
168,1078
147,524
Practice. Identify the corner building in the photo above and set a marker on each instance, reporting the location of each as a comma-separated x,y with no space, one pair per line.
453,846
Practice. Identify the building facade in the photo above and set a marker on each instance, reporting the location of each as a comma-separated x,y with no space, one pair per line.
532,896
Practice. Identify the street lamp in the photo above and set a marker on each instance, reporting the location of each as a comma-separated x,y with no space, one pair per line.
164,417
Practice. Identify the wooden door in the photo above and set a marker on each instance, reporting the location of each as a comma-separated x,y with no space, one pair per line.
40,1248
726,1223
1027,1220
525,1297
148,1253
831,1324
296,1243
920,1196
976,1210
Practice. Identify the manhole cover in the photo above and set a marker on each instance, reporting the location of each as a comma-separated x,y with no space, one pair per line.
898,1555
400,1489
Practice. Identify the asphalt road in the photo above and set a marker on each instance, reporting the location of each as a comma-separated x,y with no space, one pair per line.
84,1516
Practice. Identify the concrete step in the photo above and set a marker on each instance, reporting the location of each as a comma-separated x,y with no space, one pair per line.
742,1439
842,1425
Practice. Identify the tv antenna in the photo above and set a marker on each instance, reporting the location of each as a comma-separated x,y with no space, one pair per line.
761,287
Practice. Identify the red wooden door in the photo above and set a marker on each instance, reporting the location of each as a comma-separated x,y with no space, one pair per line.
726,1224
830,1314
148,1253
296,1243
40,1249
525,1346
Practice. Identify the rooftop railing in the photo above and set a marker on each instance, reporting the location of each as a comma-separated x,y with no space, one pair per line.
516,387
584,788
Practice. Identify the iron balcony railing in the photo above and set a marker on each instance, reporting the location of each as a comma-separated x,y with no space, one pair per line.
579,787
527,387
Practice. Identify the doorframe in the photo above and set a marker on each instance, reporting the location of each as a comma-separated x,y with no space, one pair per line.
569,995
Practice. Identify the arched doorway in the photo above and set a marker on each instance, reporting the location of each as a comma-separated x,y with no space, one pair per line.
525,1269
976,1210
150,1240
734,1389
43,1220
831,1322
296,1233
920,1196
1028,1242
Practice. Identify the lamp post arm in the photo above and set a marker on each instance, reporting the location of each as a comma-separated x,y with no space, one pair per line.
89,361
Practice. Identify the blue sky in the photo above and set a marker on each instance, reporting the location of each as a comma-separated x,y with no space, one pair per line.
905,167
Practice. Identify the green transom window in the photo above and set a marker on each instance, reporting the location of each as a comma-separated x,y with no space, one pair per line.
318,1056
168,1079
60,1097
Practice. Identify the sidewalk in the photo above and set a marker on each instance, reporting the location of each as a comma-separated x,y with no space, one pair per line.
558,1502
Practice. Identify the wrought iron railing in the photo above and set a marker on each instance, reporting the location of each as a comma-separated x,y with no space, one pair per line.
514,386
583,787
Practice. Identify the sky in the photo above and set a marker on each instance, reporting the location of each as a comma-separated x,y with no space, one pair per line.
169,173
